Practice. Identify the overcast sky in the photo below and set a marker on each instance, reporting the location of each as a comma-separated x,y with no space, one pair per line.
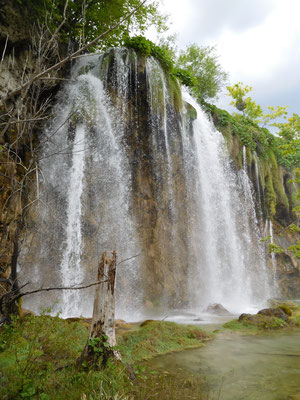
258,43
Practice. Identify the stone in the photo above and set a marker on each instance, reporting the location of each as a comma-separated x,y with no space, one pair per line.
248,317
274,312
217,309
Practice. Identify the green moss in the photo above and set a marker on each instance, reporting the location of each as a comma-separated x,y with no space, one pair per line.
159,337
146,48
157,94
235,325
256,323
287,310
174,92
270,196
191,112
281,196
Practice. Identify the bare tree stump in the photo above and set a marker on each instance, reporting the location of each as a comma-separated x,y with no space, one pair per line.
102,337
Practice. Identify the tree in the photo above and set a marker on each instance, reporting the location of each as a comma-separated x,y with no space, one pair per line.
88,19
246,105
202,63
250,109
102,333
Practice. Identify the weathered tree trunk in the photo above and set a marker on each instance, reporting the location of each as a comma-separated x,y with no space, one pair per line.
102,334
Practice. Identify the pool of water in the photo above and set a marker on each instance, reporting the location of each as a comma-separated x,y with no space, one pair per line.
239,367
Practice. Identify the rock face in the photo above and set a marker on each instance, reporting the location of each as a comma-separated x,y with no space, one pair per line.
151,184
19,62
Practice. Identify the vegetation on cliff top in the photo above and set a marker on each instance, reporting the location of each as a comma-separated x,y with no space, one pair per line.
85,21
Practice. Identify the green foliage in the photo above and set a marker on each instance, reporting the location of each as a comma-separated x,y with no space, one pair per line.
287,152
202,63
87,20
295,250
168,43
287,145
32,349
249,108
140,44
147,48
185,77
274,248
293,228
288,142
274,113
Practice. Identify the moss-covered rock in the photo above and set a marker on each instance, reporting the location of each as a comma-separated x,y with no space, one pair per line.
282,316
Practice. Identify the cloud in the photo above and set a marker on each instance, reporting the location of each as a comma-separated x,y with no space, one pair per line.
208,19
257,41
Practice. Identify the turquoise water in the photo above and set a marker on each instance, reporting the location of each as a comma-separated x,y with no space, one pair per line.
239,367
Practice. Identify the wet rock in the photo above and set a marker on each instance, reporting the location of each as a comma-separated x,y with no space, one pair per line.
274,312
198,319
246,317
262,321
217,309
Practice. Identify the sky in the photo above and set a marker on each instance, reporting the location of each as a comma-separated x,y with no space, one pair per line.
258,43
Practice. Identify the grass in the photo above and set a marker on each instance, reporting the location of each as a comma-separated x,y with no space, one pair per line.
260,323
38,354
159,337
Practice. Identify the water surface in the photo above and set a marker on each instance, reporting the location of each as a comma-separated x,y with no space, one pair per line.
243,367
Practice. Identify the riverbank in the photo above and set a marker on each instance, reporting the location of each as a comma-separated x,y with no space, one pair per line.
38,354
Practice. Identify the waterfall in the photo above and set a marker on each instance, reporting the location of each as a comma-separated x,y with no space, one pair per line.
268,232
71,272
126,165
230,265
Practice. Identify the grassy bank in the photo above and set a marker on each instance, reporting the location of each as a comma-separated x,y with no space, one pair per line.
261,323
37,357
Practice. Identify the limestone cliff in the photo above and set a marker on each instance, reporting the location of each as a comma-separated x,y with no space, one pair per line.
158,177
22,115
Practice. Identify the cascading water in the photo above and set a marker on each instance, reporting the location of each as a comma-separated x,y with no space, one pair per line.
85,204
230,265
258,189
126,169
71,272
268,232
